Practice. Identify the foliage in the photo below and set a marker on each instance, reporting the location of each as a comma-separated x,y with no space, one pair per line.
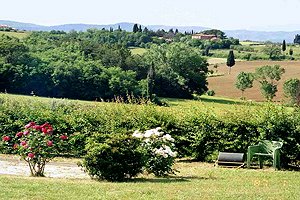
114,157
273,51
200,129
37,145
268,76
283,46
218,33
244,81
158,148
291,90
230,60
180,70
210,93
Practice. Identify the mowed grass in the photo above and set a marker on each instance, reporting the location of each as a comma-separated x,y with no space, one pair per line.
224,86
138,51
19,35
194,181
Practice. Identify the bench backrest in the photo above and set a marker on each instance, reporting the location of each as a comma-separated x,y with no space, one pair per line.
269,147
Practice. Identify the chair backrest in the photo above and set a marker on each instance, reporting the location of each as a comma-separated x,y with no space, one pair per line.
270,146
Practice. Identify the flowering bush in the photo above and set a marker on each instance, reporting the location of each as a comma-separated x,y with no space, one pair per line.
158,151
37,145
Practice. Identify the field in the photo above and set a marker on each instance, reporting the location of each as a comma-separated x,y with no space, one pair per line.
224,86
194,181
19,35
138,51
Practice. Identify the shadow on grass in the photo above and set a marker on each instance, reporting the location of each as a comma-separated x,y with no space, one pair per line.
169,179
223,101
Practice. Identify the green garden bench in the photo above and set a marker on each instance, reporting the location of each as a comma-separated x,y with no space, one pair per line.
265,149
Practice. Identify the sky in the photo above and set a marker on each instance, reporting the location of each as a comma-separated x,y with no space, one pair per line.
221,14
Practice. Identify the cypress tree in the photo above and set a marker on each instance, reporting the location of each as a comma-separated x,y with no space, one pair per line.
283,46
150,81
176,31
140,28
135,28
145,30
230,60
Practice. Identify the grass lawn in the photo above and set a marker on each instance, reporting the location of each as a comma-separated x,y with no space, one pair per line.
138,51
195,181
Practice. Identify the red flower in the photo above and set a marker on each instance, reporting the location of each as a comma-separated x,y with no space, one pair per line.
49,143
30,124
63,137
19,134
23,143
31,155
15,146
6,138
26,133
46,125
37,127
48,130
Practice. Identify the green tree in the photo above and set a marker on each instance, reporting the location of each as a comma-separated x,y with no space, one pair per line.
273,51
180,70
268,76
283,46
230,60
140,28
291,52
216,32
244,81
135,28
291,90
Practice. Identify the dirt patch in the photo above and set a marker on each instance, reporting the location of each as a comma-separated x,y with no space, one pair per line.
12,165
225,85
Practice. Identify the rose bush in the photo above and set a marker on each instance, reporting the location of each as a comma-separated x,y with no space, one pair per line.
159,153
37,145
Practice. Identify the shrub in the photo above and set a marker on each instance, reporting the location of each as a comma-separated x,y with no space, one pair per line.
210,93
115,158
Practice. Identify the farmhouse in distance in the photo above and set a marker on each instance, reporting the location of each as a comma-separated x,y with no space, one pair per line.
201,36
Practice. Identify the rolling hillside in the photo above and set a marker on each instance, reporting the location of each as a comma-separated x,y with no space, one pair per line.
225,85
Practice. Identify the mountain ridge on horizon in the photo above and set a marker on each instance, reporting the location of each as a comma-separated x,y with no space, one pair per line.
242,34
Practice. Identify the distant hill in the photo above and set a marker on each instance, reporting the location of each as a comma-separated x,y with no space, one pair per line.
274,36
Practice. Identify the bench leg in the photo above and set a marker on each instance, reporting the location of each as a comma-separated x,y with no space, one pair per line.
260,162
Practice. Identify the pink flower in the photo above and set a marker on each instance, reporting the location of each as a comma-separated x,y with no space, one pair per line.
63,137
30,124
15,146
26,133
19,134
49,143
23,143
6,138
31,155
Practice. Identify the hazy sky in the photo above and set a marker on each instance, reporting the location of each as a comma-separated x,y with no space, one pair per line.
223,14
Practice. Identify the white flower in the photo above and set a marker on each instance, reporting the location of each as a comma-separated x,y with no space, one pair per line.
148,133
147,140
137,134
168,138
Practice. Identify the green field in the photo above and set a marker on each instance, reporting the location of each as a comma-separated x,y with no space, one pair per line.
138,51
19,35
194,181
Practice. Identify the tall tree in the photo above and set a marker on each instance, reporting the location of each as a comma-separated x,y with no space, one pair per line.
176,31
119,28
283,46
268,76
150,81
230,61
140,28
244,81
291,90
145,30
135,28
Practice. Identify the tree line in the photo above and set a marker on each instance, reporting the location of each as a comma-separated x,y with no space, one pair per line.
97,64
